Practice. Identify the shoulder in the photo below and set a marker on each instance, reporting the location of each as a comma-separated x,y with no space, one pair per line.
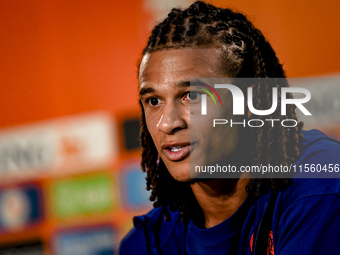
319,156
135,242
308,217
318,146
307,188
317,172
151,232
307,213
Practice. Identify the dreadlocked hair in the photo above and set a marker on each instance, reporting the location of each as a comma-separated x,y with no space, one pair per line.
245,53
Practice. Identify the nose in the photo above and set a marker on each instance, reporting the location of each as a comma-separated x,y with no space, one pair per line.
172,119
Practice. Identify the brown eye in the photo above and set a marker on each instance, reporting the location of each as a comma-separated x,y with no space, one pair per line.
153,101
193,95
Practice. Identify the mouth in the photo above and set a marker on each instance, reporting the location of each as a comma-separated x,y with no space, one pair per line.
177,151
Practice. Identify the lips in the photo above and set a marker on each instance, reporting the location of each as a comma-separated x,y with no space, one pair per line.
177,151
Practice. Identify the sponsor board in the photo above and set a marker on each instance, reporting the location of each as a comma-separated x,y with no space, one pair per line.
133,188
57,147
20,207
31,248
86,241
83,195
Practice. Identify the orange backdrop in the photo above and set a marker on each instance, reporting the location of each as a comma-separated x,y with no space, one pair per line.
61,57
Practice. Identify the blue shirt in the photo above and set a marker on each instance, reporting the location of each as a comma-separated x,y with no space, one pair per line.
306,217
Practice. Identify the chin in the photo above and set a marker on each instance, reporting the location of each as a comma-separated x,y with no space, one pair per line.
179,173
184,179
181,177
179,170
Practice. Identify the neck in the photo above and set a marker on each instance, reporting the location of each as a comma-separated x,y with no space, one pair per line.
219,199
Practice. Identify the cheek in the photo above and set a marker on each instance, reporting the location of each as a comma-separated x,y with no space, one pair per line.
151,123
216,142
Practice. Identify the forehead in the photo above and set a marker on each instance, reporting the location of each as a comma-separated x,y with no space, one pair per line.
184,64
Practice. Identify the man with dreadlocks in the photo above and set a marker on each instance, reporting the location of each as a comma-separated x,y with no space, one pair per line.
224,216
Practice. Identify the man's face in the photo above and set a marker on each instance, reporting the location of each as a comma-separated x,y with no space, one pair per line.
170,103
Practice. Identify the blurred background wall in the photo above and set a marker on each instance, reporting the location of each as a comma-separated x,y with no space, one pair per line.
69,175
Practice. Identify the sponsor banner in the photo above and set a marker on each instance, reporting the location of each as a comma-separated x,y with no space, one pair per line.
58,146
32,248
83,195
20,207
86,241
133,186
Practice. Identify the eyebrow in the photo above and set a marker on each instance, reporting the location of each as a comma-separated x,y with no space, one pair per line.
144,91
181,84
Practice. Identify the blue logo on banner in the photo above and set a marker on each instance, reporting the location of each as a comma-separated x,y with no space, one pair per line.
135,187
90,241
19,207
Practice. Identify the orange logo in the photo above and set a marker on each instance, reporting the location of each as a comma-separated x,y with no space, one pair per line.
270,245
